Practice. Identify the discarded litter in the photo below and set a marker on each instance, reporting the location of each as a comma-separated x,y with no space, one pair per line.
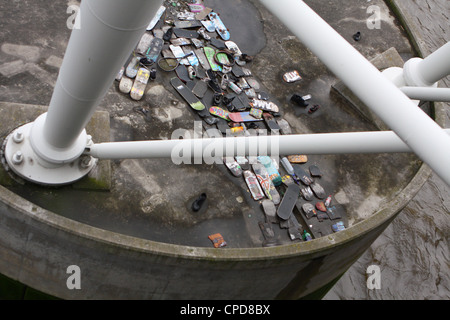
292,76
217,240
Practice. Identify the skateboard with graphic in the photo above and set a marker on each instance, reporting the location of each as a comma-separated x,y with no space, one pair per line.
219,112
265,183
154,50
233,47
192,58
140,83
187,94
156,18
302,175
242,117
253,185
264,105
288,203
220,26
210,53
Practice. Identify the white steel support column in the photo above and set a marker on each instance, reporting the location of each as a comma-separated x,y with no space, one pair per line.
109,31
310,144
427,93
424,136
426,72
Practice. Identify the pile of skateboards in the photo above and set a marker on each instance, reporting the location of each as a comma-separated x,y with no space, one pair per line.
213,76
283,187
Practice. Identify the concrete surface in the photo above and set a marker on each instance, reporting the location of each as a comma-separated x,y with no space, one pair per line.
147,205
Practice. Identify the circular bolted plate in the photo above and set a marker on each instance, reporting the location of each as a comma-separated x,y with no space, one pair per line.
23,161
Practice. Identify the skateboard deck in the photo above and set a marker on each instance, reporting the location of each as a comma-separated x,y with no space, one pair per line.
202,59
154,50
339,226
333,213
233,47
302,175
193,60
285,127
275,176
220,26
187,94
243,162
288,203
253,185
233,166
318,190
315,171
132,67
219,112
298,159
180,42
270,211
307,193
140,83
119,74
186,24
254,84
242,117
182,73
256,113
125,84
178,53
200,89
185,33
156,18
309,210
144,43
271,123
209,25
265,183
265,105
209,53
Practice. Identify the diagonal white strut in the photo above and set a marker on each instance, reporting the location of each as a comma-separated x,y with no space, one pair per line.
424,136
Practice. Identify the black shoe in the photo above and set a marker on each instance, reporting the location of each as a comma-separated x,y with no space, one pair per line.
297,99
357,36
197,204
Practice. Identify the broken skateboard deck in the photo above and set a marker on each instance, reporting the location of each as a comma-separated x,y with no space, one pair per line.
220,26
144,43
253,185
187,94
288,203
271,123
242,117
140,83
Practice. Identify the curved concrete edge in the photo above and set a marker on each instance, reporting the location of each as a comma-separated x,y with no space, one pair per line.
314,249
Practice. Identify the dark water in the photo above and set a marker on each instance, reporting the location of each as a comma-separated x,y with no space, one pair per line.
413,253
